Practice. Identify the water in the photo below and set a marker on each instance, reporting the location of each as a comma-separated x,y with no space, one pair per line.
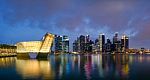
76,67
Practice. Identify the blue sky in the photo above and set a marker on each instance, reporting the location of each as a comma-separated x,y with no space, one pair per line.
24,20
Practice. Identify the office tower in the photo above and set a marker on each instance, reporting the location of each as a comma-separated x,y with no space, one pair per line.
89,46
115,38
83,44
101,42
75,46
116,43
58,43
65,44
87,42
108,46
124,43
87,39
96,46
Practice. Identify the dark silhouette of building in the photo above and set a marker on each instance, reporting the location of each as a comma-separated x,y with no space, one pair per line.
108,46
96,46
82,44
89,46
75,46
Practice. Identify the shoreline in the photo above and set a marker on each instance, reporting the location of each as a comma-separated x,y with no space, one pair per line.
2,55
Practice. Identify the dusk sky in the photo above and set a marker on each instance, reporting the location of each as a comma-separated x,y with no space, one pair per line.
24,20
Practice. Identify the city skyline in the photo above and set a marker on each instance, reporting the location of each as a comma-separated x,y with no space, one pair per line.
29,20
74,39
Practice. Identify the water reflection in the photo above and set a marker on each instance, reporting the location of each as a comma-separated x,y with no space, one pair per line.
65,66
115,66
91,66
140,58
7,62
72,67
34,69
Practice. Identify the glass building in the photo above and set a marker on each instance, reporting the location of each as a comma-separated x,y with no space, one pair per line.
101,42
83,44
43,46
65,44
124,43
58,44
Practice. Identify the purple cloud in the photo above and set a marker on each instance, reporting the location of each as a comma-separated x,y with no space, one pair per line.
74,17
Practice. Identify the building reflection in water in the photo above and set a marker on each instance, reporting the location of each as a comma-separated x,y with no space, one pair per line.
74,67
139,58
90,66
34,69
65,65
115,66
7,62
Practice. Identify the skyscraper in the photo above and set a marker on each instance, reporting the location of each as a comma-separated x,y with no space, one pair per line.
116,43
65,44
124,43
108,46
101,42
115,38
58,44
75,46
89,46
87,43
61,44
83,44
96,46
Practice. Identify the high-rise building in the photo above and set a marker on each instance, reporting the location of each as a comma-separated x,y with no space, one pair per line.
108,46
75,46
116,43
87,38
101,42
58,43
65,44
96,46
83,44
115,38
124,43
89,46
61,44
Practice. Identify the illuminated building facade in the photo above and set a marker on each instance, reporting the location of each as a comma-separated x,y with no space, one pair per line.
116,44
65,44
58,44
101,42
124,43
43,46
61,44
83,44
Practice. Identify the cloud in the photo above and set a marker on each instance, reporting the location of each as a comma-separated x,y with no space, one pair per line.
76,17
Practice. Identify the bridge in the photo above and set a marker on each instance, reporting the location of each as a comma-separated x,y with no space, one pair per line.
41,48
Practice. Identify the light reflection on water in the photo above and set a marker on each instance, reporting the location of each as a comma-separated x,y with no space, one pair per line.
102,67
34,69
